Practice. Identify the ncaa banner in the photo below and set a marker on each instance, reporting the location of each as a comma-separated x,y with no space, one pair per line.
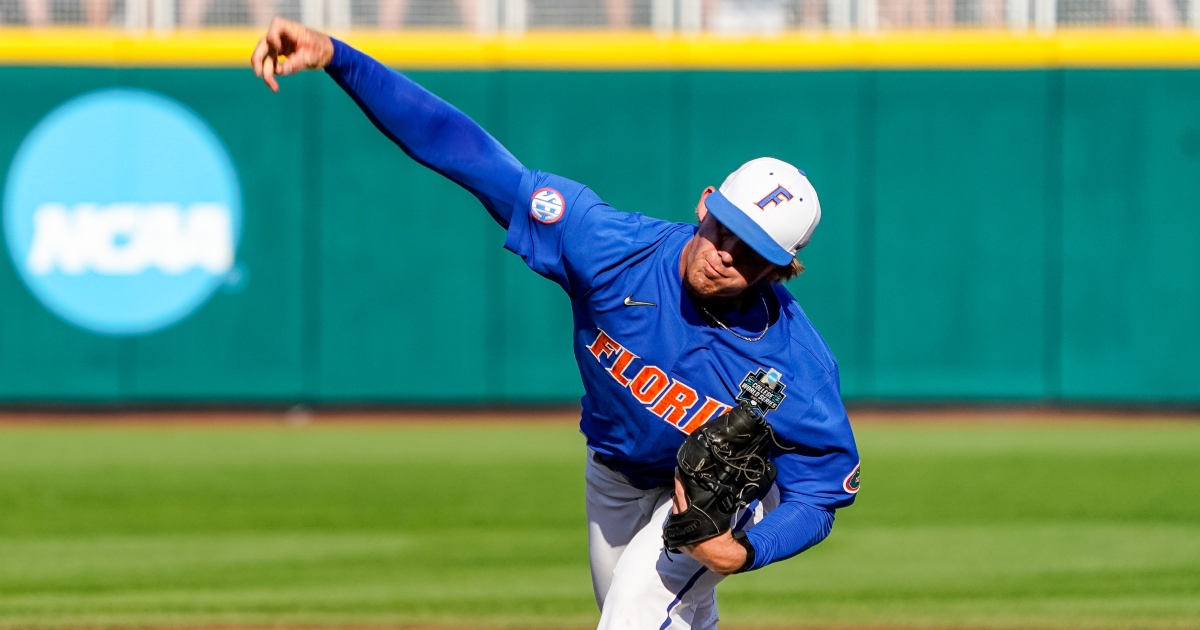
122,212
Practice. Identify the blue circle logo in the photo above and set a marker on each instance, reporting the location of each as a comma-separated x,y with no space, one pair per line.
122,212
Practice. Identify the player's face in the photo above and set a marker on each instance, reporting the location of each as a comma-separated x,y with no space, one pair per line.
716,264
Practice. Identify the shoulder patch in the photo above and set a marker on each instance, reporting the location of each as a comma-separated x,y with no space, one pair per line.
851,482
547,206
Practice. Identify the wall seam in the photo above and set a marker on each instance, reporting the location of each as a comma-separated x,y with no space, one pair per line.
310,257
495,294
127,347
865,298
1053,289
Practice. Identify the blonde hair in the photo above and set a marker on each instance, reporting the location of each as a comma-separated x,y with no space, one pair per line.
783,273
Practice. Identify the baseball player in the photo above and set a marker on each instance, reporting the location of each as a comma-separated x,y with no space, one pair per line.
674,325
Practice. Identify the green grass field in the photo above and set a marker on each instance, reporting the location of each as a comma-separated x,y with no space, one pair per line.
1090,525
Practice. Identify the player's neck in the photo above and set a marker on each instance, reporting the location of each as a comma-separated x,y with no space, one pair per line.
730,304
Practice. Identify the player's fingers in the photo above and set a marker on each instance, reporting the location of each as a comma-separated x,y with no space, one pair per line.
257,57
290,35
290,64
274,36
296,62
268,73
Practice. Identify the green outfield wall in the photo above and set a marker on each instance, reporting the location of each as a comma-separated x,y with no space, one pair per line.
986,235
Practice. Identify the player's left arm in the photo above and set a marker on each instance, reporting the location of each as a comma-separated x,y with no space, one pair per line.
788,530
812,479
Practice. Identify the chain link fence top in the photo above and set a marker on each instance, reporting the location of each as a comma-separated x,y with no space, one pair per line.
721,17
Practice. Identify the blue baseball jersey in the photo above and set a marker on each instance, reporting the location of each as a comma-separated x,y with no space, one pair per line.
654,369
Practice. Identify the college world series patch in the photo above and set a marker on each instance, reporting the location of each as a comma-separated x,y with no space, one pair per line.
547,206
762,390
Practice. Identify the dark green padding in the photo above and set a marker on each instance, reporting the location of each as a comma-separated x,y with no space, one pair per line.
987,235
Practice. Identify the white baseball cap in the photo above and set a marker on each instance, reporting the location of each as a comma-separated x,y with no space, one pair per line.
770,205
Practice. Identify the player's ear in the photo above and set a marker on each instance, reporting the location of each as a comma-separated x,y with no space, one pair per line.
701,210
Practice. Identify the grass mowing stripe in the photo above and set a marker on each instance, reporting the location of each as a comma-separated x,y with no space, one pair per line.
1065,525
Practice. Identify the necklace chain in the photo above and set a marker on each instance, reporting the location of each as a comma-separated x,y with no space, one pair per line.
736,333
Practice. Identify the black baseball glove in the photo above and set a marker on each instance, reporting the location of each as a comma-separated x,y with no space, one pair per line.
723,466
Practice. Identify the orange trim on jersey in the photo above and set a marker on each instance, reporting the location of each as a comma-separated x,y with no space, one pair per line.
674,404
604,346
648,384
617,370
709,410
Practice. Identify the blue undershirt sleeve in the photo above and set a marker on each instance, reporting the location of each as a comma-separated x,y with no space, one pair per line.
430,130
786,531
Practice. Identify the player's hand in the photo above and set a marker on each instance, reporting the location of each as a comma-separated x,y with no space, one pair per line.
301,48
721,554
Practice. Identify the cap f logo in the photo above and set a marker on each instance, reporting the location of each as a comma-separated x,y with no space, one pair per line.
777,196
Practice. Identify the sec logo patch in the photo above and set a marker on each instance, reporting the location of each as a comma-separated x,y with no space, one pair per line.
547,206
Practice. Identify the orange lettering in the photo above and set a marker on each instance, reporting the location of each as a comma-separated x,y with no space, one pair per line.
674,404
620,365
603,346
648,384
709,410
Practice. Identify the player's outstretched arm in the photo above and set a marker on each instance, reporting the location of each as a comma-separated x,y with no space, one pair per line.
427,128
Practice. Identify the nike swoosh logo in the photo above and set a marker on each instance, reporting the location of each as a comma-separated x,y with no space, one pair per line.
629,301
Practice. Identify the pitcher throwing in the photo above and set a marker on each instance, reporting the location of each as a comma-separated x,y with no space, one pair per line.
676,327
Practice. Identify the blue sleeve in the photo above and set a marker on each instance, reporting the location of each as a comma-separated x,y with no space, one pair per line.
819,475
566,233
820,467
430,130
786,531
